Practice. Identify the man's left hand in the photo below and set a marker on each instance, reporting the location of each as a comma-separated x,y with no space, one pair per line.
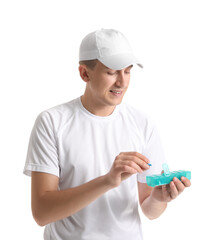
167,193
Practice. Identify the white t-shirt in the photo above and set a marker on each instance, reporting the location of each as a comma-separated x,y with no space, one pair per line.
78,146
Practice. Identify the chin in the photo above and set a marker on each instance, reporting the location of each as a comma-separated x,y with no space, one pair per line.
113,101
117,102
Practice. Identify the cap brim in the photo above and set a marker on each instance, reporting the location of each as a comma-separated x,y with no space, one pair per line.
120,61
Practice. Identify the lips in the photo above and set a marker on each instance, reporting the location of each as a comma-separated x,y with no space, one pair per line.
116,91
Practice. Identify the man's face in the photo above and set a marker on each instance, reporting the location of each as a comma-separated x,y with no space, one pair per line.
108,86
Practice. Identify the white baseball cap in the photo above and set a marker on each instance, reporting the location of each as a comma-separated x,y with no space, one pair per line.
110,47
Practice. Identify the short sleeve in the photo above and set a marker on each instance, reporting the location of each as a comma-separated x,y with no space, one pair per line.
153,150
42,155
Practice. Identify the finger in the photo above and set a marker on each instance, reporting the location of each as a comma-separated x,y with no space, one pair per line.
132,164
139,155
179,185
186,181
133,156
166,194
143,165
173,190
128,169
121,167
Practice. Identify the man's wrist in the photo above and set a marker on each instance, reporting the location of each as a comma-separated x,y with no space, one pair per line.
156,201
106,181
153,207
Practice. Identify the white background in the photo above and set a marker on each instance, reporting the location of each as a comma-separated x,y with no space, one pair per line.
39,69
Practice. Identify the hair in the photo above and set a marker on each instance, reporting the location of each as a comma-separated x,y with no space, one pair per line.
89,63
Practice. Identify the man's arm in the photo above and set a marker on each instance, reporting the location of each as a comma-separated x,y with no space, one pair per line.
150,207
153,201
49,204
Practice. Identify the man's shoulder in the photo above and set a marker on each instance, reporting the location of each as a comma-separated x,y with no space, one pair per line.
63,108
58,114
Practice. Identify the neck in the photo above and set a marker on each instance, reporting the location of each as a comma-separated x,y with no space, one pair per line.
95,107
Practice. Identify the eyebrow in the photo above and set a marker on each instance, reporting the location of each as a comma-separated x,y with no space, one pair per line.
130,66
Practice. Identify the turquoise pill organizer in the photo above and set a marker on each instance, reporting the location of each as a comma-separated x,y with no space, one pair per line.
166,177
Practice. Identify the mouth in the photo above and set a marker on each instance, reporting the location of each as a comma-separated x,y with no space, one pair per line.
116,92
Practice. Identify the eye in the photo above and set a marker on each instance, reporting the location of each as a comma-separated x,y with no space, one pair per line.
111,73
127,73
128,70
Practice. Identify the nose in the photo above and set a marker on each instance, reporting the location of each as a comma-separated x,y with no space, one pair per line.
122,80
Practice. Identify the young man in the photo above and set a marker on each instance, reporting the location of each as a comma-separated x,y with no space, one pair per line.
88,158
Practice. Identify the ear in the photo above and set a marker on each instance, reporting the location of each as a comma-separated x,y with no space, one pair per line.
83,73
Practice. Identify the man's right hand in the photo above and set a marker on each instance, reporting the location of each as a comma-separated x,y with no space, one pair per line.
50,204
125,165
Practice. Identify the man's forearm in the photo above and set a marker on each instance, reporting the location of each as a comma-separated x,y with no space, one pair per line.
153,208
55,205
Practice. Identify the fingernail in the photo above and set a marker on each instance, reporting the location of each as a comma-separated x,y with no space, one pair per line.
149,164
